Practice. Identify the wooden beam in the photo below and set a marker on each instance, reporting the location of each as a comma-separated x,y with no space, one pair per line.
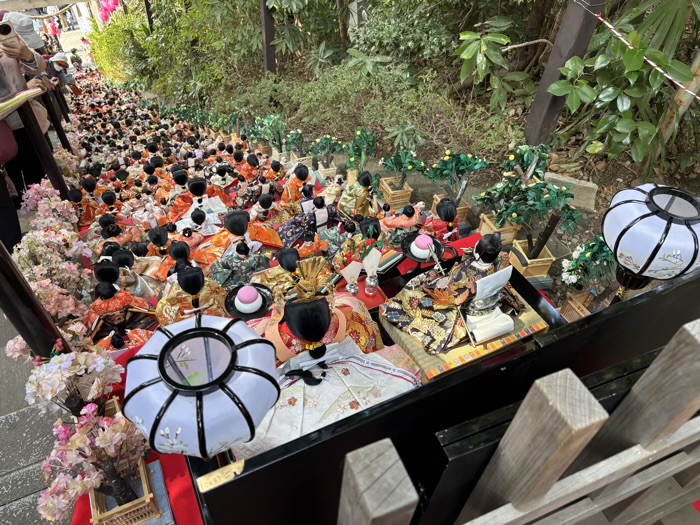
555,421
268,30
573,38
56,121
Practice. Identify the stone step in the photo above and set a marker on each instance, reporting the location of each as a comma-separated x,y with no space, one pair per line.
21,512
27,438
21,483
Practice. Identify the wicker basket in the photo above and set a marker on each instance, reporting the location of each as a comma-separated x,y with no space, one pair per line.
487,225
327,173
576,306
538,267
135,512
462,209
395,198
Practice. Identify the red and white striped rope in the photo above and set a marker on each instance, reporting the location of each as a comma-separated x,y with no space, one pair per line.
619,35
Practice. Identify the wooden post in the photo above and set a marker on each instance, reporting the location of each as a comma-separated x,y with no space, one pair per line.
268,29
42,149
376,488
555,421
149,14
62,103
23,309
56,121
573,37
664,398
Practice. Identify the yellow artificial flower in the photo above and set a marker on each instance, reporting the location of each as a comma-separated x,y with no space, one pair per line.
340,142
434,166
563,188
422,164
546,196
448,152
483,194
469,156
352,159
588,255
409,168
512,157
447,158
514,216
359,133
328,136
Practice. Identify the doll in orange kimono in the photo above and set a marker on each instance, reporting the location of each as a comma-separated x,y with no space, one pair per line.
445,226
258,229
214,248
357,247
115,310
178,251
311,321
85,206
251,169
110,204
292,190
160,242
239,161
312,245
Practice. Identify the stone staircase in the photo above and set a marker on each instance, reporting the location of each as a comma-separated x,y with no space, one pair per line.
25,440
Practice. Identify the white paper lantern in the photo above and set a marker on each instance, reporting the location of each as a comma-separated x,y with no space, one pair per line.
653,231
201,385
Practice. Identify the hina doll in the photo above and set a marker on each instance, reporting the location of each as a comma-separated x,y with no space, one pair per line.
292,190
249,191
200,224
113,309
312,245
335,237
301,217
222,177
313,321
85,206
238,267
110,204
251,169
258,229
445,226
212,206
356,198
239,161
191,293
282,278
429,307
332,192
214,248
139,285
114,232
358,246
160,242
178,251
396,227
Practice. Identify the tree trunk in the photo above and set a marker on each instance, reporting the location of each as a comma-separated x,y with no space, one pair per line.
681,102
343,24
544,236
534,27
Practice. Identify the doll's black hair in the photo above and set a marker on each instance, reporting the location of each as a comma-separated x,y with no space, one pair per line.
106,272
106,220
370,228
109,248
152,147
117,342
157,162
386,207
221,146
365,179
309,236
350,227
309,322
123,258
197,187
308,191
253,160
149,169
191,280
301,172
288,259
179,250
265,200
489,247
111,231
159,237
409,211
238,156
198,216
242,249
105,291
122,175
139,249
358,218
171,227
212,152
89,184
275,166
319,202
75,195
237,222
447,211
180,177
229,149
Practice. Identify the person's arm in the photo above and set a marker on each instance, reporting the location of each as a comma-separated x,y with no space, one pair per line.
32,62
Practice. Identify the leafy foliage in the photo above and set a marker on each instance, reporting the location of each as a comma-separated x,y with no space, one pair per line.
403,163
535,158
370,65
590,261
360,149
325,147
407,137
453,172
297,143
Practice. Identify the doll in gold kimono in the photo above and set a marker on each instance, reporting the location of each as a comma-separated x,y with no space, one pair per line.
358,246
430,306
356,199
139,285
190,293
113,309
333,191
329,319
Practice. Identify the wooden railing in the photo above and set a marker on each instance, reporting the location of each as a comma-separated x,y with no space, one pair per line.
564,460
